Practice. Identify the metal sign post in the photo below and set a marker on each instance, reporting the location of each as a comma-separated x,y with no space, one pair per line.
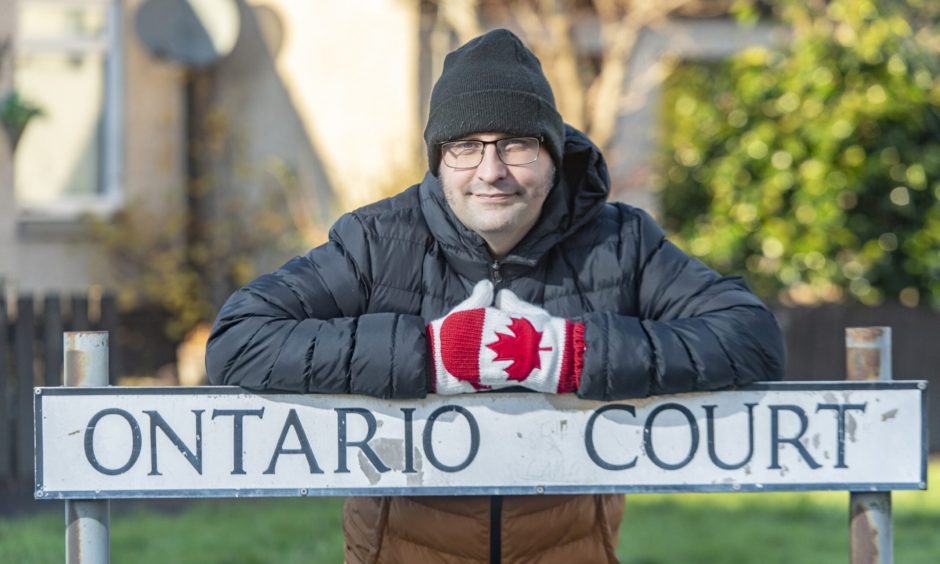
868,357
87,522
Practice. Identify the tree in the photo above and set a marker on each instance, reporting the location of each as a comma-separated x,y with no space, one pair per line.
211,240
816,168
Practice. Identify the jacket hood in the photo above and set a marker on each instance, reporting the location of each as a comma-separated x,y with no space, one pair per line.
581,188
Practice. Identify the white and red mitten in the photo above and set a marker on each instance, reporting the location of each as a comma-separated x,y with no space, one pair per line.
547,353
477,347
455,342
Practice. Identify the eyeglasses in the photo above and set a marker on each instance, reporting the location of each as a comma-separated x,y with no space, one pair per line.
468,153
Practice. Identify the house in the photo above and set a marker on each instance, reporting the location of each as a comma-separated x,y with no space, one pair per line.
307,83
333,92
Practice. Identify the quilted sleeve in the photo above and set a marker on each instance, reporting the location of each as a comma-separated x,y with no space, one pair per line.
303,329
695,330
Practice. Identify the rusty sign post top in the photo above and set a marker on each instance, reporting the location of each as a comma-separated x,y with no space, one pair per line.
868,353
86,358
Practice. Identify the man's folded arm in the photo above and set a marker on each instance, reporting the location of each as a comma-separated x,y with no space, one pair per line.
696,330
303,329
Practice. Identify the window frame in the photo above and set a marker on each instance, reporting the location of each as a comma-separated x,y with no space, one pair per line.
110,197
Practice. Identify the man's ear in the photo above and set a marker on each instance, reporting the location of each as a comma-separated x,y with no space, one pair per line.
556,178
440,162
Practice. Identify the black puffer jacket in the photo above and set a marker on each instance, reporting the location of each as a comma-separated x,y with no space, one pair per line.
350,315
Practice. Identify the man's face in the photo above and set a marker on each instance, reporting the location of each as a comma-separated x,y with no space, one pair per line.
499,202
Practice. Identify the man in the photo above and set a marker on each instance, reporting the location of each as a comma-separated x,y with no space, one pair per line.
400,302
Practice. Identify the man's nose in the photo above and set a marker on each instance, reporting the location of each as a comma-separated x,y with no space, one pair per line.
491,168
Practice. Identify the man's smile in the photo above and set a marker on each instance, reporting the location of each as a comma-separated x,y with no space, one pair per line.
495,197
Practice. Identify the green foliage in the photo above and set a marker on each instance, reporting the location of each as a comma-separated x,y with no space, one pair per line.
815,168
16,113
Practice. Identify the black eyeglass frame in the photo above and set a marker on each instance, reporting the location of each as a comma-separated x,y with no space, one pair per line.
443,146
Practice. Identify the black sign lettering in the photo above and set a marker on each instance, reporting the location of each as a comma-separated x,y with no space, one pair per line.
648,435
589,438
474,438
840,426
90,441
238,434
776,440
710,431
156,420
293,422
343,444
409,440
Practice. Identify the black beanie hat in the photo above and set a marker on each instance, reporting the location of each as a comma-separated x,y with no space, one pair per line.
493,84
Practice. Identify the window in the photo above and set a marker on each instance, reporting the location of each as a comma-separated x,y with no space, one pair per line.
68,63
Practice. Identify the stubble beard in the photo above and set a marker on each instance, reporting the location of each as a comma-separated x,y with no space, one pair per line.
497,220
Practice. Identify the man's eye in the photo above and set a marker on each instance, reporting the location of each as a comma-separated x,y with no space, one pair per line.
463,148
514,145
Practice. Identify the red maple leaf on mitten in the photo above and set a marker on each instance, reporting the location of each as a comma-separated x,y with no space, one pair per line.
521,347
470,346
548,359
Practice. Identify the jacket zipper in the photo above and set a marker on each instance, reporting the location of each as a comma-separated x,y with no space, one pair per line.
495,275
496,532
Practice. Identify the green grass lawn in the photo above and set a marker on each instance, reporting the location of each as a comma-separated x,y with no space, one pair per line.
657,529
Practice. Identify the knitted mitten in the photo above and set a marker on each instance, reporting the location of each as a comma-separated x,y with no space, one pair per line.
549,349
477,347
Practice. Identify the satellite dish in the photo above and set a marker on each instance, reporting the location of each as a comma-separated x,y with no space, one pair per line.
195,33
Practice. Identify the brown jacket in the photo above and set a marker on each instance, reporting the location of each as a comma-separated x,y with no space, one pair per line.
567,529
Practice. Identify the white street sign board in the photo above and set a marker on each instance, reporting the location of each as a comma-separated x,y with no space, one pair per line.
225,442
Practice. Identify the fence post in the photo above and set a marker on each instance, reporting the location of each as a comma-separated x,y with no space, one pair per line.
6,402
868,357
87,522
52,344
23,350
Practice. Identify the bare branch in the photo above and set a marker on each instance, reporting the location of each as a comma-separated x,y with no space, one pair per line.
463,16
589,98
620,31
532,28
563,69
641,86
300,207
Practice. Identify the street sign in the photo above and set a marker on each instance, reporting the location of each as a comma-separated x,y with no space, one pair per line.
226,442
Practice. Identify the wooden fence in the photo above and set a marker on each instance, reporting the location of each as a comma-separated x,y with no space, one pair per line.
31,354
815,349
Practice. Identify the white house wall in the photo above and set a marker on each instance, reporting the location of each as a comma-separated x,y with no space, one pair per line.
7,214
59,254
327,88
